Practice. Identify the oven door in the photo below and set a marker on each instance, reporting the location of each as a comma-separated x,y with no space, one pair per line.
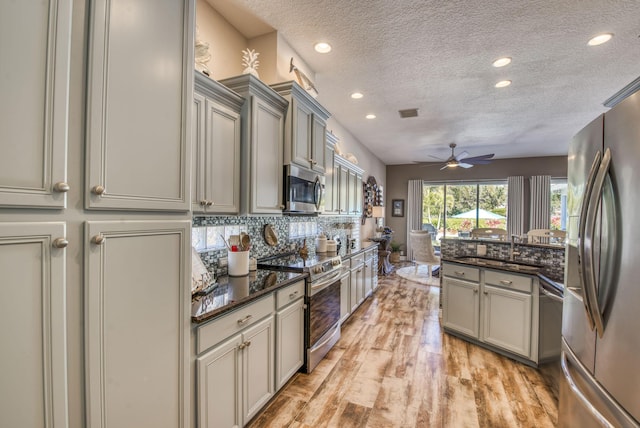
324,319
304,191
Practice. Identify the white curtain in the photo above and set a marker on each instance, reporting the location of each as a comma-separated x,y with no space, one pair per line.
515,205
540,202
414,211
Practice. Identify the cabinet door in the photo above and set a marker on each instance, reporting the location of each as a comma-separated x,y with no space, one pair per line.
368,276
219,383
301,134
35,43
353,287
198,154
137,297
507,319
461,306
343,190
290,342
330,182
266,158
139,91
359,196
32,320
318,144
345,297
258,367
352,184
222,169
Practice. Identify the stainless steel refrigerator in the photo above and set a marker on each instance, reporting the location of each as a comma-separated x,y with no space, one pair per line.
601,312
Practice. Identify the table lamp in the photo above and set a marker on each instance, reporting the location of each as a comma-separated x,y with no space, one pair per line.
378,213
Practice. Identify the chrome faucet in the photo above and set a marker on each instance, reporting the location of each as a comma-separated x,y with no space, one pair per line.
512,252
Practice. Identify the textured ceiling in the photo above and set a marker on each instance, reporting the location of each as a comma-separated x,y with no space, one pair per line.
436,55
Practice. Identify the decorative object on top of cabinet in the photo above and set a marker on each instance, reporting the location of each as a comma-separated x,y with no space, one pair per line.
269,235
303,80
202,54
35,88
250,62
369,194
351,158
137,132
216,148
262,145
305,128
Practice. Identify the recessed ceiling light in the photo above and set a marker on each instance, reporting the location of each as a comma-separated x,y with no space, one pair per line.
501,62
600,39
503,83
322,47
370,116
356,95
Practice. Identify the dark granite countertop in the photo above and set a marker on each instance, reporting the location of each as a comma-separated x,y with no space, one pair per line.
229,293
347,255
506,265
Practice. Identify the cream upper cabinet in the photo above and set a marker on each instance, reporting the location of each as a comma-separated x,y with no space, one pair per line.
262,145
33,333
137,323
216,148
349,187
305,127
139,99
35,39
330,176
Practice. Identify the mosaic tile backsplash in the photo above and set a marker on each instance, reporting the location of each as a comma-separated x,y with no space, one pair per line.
208,232
550,258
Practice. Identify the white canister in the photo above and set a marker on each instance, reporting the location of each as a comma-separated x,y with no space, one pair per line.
332,246
238,263
321,244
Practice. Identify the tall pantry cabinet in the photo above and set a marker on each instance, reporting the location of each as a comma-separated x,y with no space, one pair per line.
94,213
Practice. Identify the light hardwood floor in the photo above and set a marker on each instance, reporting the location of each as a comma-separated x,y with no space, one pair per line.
394,367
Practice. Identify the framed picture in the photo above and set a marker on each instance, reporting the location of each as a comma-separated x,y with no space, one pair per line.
397,208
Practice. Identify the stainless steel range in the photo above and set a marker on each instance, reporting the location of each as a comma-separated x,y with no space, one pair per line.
322,329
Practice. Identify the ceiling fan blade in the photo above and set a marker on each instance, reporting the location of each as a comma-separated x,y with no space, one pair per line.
437,158
479,162
462,155
465,165
481,157
444,167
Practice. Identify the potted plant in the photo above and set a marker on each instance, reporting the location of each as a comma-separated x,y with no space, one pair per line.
394,257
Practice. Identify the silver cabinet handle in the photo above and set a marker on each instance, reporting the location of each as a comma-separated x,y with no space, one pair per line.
98,239
485,293
293,295
281,207
61,187
475,291
60,243
245,319
247,343
209,203
242,346
459,273
203,203
98,190
505,282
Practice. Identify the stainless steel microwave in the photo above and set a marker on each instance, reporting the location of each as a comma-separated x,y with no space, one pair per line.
303,191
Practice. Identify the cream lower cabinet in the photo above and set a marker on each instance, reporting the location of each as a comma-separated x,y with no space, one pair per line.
357,281
507,319
236,365
137,306
289,332
32,325
370,274
345,296
461,306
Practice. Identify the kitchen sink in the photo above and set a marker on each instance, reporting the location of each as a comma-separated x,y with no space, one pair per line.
500,263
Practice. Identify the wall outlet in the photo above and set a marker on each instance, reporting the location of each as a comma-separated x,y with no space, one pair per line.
223,261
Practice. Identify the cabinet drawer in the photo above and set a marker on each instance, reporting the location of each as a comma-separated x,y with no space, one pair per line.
357,260
368,254
289,294
508,280
461,272
219,329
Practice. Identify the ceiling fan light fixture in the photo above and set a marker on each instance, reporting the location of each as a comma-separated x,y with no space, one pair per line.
503,83
370,116
357,95
600,39
322,47
501,62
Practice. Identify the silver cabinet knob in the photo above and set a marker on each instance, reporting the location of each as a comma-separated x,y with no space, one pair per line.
61,187
60,243
281,207
98,239
98,190
203,203
209,203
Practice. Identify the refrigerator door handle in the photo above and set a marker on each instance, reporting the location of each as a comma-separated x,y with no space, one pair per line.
592,210
564,364
581,237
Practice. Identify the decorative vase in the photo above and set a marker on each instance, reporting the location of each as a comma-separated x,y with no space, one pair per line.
394,257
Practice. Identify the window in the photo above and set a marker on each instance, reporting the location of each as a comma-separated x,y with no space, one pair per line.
558,207
454,209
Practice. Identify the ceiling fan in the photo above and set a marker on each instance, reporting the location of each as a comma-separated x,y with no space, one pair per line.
462,160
